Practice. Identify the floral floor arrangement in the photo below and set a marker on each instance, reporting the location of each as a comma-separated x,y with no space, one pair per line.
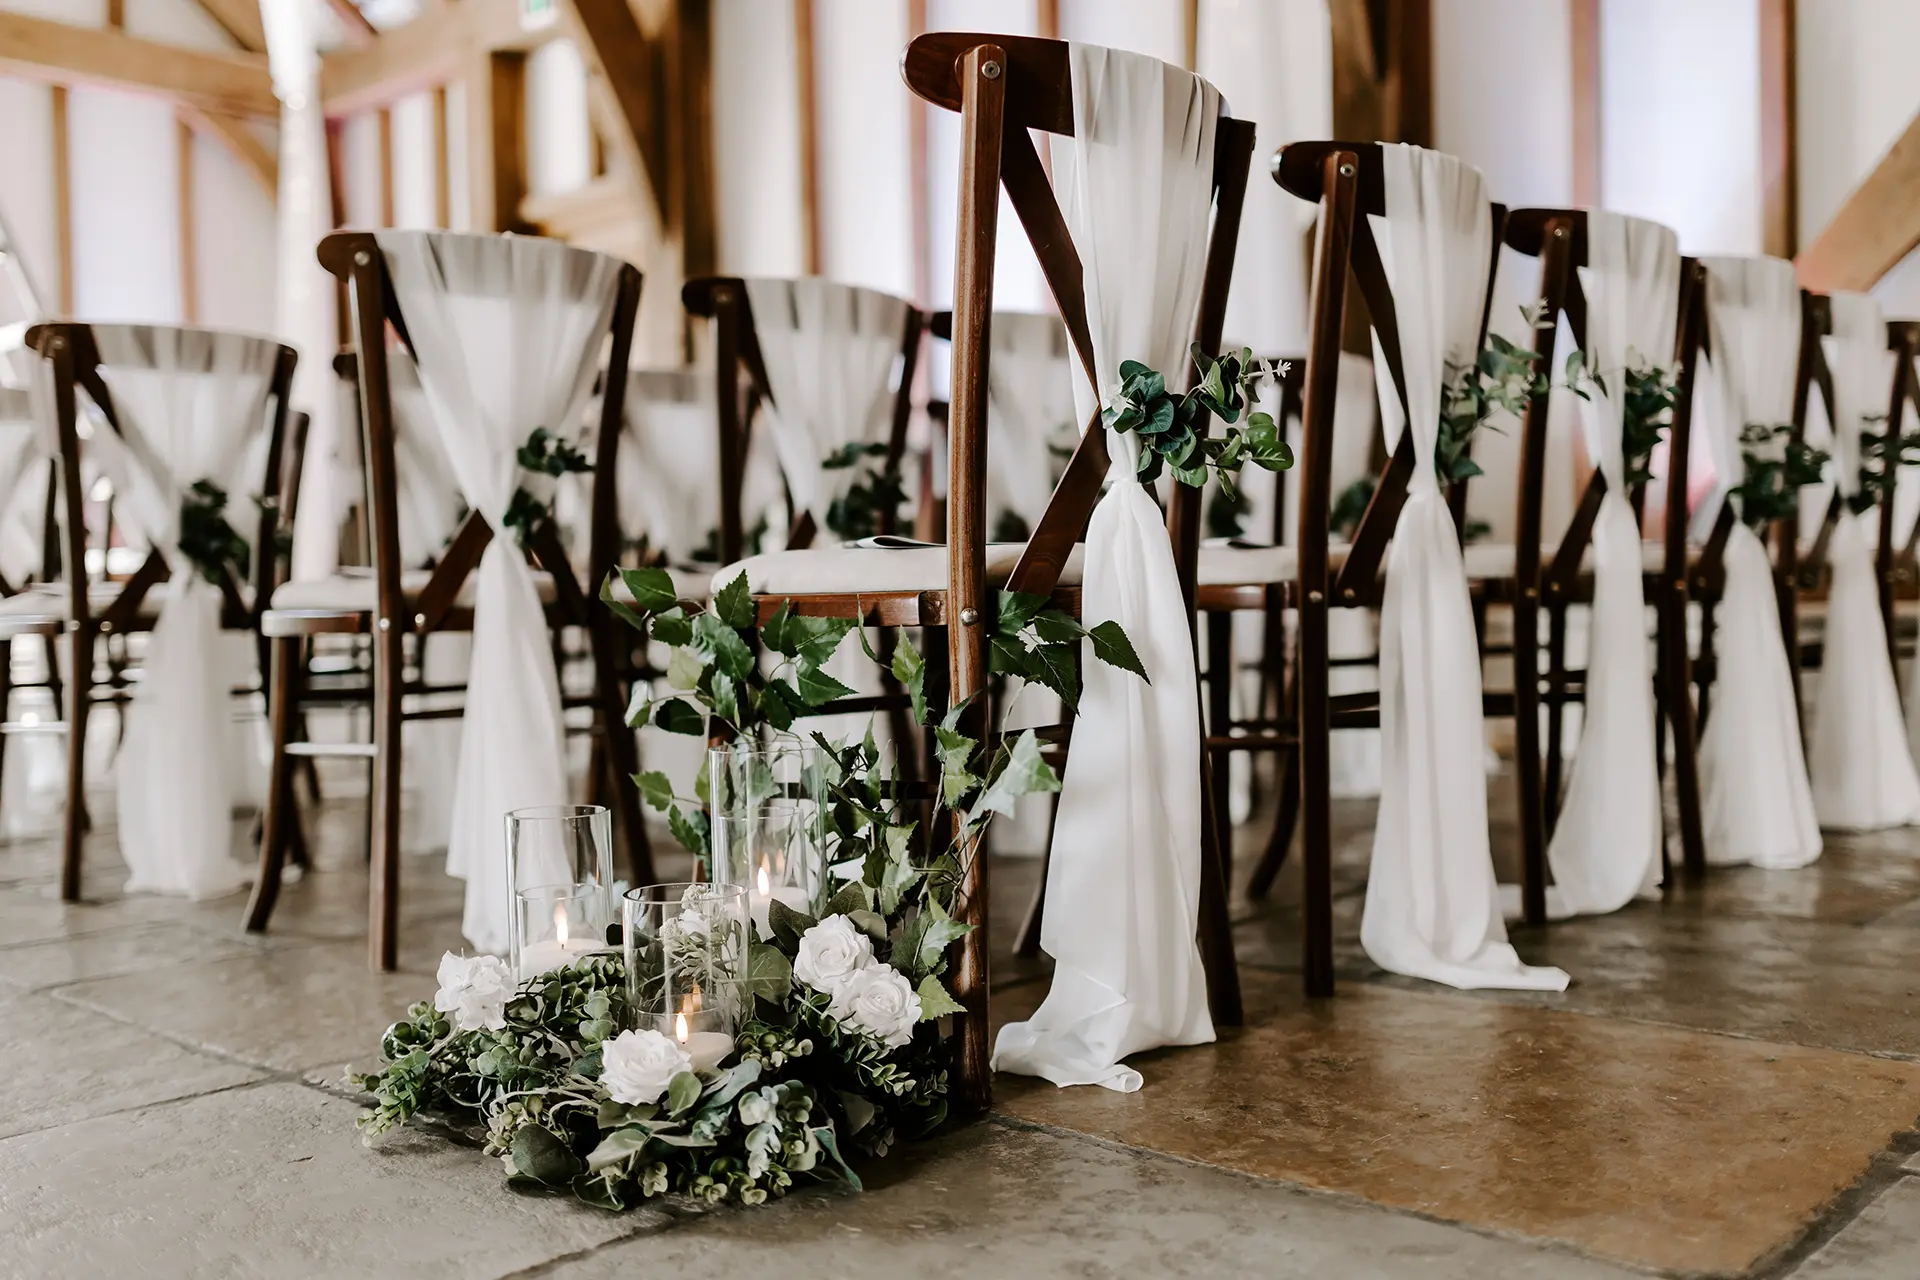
844,1045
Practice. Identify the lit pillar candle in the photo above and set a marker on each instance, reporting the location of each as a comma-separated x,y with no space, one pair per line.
707,1048
765,893
556,952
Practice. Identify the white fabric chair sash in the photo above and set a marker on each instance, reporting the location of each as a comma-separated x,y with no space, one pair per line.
1030,403
1125,873
427,495
1432,908
190,406
1606,848
669,466
1758,803
508,332
830,351
20,448
1862,774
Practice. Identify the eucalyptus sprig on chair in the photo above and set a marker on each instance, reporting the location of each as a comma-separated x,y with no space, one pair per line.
1175,431
1650,394
1500,380
1777,468
544,454
1876,478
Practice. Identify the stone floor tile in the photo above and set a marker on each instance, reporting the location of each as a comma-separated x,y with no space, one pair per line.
1001,1201
285,1008
34,913
1883,1243
271,1182
1547,1124
118,951
59,1064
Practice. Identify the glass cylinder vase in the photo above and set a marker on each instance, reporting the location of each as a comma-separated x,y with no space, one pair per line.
555,925
769,805
685,947
565,844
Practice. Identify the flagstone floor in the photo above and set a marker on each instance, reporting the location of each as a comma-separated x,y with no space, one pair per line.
1729,1088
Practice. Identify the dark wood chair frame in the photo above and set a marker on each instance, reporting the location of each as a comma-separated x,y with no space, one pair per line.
75,355
355,258
1002,86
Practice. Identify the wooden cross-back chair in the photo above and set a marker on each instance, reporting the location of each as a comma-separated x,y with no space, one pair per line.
1002,86
1898,563
1558,239
1313,575
396,603
1903,340
86,611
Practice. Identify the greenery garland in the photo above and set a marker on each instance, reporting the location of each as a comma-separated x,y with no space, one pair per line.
1778,466
847,1048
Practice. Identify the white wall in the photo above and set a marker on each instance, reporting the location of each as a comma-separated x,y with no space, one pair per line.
863,151
26,197
1501,97
123,157
559,137
756,138
1680,120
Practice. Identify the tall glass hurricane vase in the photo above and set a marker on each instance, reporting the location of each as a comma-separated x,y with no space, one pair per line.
686,957
769,823
564,844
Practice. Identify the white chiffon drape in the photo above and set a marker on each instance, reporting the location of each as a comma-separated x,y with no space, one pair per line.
1758,804
1031,407
1605,849
1124,879
1432,908
830,351
1862,774
508,332
190,406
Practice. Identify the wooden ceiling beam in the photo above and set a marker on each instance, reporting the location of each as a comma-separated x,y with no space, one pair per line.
242,141
1876,226
435,48
61,53
240,19
359,32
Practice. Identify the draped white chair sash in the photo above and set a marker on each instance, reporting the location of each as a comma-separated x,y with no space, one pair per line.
1432,908
427,496
1862,773
190,405
20,447
1030,407
669,482
1606,847
1124,878
1758,802
508,332
830,351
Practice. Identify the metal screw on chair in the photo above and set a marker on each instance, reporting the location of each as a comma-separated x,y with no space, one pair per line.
1559,233
420,621
58,344
361,259
1314,597
1348,593
1531,593
970,615
386,624
105,627
991,70
1346,171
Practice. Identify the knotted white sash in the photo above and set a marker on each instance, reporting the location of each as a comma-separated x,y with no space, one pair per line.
191,406
1433,907
1758,804
1606,848
1862,774
830,351
508,331
1124,881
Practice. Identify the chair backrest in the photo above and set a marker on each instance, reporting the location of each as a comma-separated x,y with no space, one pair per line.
1004,86
358,260
184,405
831,352
1559,239
1345,179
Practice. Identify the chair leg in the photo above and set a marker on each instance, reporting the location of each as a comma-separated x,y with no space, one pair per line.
1526,756
6,700
622,749
1219,722
1703,672
383,854
74,827
1556,714
1680,719
1216,924
967,663
1316,809
279,817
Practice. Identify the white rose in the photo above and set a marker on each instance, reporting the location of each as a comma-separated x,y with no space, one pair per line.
637,1066
474,990
830,953
881,1002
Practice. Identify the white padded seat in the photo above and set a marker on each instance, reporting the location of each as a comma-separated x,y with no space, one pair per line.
854,569
358,592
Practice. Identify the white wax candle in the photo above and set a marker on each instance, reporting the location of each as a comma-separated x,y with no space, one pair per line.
707,1048
537,958
788,895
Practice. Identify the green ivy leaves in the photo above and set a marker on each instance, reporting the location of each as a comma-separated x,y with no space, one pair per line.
1175,432
544,454
1777,467
206,539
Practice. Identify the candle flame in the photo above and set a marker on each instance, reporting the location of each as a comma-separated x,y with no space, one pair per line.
560,921
680,1027
764,884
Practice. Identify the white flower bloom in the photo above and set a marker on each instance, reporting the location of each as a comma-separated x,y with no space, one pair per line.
474,990
831,952
637,1066
881,1002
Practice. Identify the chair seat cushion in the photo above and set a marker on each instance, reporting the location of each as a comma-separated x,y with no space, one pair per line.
357,592
863,569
